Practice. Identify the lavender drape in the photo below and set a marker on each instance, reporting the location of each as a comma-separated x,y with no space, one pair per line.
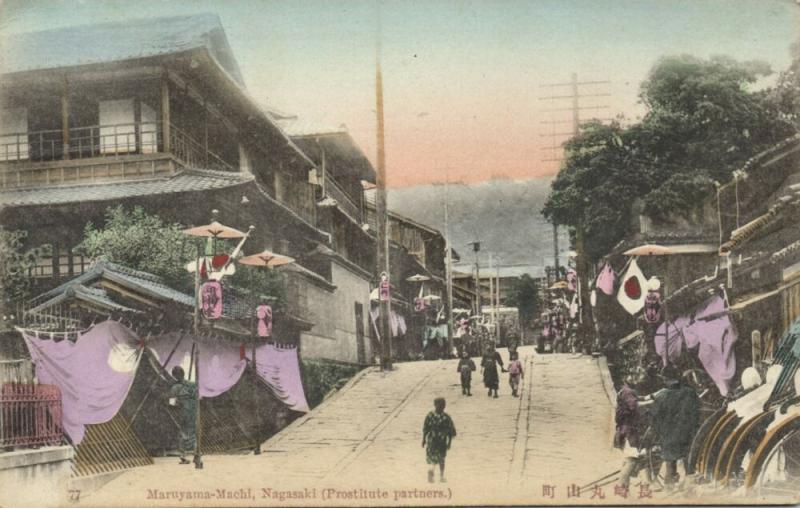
94,373
280,368
711,330
606,279
221,365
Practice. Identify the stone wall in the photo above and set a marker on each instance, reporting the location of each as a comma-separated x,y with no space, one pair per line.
36,478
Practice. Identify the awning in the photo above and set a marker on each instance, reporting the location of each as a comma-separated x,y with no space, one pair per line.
671,250
740,305
631,336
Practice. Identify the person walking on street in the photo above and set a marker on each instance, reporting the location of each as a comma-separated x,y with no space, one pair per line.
675,416
466,367
515,373
438,432
626,437
491,378
183,396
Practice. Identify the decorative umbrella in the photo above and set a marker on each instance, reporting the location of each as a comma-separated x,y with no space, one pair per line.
649,249
418,278
266,258
215,230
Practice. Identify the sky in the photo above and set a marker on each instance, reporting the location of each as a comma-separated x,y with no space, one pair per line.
463,80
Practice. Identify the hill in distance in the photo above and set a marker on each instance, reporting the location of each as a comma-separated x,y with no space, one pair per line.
503,215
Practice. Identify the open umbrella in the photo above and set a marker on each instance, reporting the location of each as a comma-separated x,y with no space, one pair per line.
649,249
266,258
215,230
559,285
418,278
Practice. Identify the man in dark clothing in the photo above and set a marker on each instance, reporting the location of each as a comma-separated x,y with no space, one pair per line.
183,395
626,437
675,416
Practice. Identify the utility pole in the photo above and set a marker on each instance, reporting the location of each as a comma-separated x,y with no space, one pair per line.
449,268
476,247
575,108
555,251
497,303
582,265
381,212
491,291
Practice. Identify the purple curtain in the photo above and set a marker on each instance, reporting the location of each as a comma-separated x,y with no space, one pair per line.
94,373
280,368
711,330
221,364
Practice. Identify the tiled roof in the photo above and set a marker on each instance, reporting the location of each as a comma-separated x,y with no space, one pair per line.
186,181
117,41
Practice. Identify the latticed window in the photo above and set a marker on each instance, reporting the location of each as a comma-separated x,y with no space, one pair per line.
43,268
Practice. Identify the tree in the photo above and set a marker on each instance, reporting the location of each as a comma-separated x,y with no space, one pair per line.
17,263
702,123
524,295
143,242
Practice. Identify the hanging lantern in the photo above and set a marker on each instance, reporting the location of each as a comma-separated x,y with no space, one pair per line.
652,302
264,325
211,299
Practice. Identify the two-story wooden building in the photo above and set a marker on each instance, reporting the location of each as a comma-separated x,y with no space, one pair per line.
155,113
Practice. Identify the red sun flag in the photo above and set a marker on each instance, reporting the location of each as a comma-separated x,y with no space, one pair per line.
632,288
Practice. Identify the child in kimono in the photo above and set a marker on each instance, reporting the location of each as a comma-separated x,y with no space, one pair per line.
515,373
437,433
465,367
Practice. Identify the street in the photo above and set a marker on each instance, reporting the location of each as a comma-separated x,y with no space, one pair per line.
365,441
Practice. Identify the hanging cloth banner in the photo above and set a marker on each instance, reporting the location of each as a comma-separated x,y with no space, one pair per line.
280,369
264,326
631,294
711,330
397,323
94,373
221,364
606,279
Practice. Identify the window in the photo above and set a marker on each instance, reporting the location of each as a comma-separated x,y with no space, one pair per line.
63,265
13,134
44,268
117,128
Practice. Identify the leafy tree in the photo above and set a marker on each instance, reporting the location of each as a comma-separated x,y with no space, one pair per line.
17,263
787,91
143,242
524,295
702,123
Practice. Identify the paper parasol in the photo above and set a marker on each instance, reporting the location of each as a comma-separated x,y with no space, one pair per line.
267,259
215,230
418,278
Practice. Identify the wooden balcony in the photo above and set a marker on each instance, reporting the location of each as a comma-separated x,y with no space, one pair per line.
99,153
333,190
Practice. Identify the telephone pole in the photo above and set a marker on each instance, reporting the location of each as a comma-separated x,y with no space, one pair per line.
449,268
574,96
381,212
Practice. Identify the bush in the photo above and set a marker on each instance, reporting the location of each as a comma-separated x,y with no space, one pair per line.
320,377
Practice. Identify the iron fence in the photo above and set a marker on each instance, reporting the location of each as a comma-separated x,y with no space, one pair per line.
30,415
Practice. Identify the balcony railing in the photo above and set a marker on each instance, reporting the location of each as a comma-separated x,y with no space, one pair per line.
30,415
335,191
107,140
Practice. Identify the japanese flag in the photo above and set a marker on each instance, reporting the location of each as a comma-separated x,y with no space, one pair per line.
632,292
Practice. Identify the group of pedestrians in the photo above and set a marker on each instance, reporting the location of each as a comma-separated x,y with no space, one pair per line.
674,415
438,430
489,369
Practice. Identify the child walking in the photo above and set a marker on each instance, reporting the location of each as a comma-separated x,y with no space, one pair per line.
465,367
437,433
515,373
